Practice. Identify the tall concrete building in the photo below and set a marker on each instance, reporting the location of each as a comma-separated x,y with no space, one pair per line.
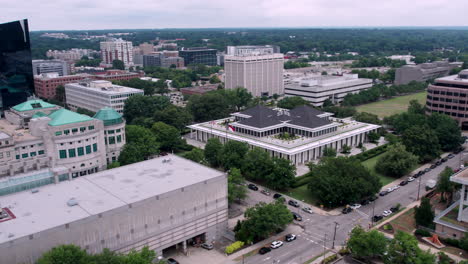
94,95
318,89
162,203
117,49
252,50
16,76
449,95
261,74
422,72
49,66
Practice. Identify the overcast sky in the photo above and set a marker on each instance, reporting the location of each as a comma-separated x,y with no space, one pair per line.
118,14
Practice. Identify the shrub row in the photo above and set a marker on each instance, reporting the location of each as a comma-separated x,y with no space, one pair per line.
371,153
301,180
422,232
451,242
234,247
329,259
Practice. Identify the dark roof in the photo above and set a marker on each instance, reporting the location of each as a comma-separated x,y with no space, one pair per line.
262,116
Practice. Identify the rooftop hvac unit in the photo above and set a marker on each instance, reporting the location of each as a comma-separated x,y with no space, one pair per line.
72,202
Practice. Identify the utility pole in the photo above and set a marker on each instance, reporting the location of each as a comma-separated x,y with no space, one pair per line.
419,186
324,246
334,235
373,210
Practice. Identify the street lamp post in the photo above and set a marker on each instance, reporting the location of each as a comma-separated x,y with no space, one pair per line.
334,235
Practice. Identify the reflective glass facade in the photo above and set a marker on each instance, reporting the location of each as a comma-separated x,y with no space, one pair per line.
16,77
199,56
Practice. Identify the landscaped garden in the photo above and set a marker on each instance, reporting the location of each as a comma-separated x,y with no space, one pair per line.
370,164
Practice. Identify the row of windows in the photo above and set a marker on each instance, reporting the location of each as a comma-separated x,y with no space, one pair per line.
7,154
112,131
112,140
451,113
73,130
453,107
31,154
71,153
446,93
448,100
79,141
123,95
31,146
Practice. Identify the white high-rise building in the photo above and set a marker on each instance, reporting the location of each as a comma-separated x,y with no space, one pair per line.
262,74
116,49
95,95
252,50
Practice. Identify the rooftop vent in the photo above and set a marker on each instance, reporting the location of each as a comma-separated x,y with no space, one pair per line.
34,191
72,202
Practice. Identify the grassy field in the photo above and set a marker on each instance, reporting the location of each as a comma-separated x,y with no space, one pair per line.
302,194
392,106
370,164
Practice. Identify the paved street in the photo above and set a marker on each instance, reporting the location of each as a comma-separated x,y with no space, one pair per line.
311,243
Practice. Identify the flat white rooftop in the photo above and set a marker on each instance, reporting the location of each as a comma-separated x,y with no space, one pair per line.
453,79
98,193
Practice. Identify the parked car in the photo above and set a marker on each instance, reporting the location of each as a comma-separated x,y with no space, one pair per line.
427,170
417,175
444,159
264,250
252,187
355,206
438,163
293,203
207,246
266,192
172,261
276,244
307,210
387,213
297,216
373,198
290,237
451,156
383,193
393,209
347,210
396,187
433,166
365,202
389,190
377,218
410,179
403,183
277,196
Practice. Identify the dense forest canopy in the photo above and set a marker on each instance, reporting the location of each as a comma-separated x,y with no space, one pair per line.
365,41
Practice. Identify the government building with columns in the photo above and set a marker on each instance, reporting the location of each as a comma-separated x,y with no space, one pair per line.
299,135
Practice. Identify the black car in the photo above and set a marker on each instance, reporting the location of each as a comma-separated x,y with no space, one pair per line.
296,216
444,159
403,183
373,198
427,170
264,250
365,202
450,156
347,210
377,218
393,209
172,261
417,175
383,193
433,166
438,162
252,187
293,203
277,196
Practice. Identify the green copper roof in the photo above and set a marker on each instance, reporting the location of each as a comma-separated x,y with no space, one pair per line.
64,117
109,116
39,114
32,105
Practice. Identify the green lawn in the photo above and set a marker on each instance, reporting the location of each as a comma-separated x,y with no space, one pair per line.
370,164
392,106
302,194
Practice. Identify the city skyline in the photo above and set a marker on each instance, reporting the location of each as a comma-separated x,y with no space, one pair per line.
90,15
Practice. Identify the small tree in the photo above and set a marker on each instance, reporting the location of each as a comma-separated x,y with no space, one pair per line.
396,162
373,137
65,254
424,215
236,189
444,185
366,245
213,152
118,64
196,155
345,149
329,152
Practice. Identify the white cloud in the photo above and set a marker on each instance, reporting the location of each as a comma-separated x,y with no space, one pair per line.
100,14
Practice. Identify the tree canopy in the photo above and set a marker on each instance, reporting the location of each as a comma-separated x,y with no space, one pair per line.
291,102
140,145
236,188
367,245
396,162
423,214
404,249
139,106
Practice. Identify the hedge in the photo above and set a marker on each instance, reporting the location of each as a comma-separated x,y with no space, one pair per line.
422,232
301,180
234,247
363,156
451,242
329,259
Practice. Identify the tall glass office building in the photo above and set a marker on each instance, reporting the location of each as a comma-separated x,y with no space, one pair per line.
16,76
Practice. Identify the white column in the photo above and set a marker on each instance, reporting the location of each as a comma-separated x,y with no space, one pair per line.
462,201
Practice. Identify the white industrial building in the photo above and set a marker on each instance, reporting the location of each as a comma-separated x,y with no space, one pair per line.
160,203
48,66
261,74
94,95
116,49
320,88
